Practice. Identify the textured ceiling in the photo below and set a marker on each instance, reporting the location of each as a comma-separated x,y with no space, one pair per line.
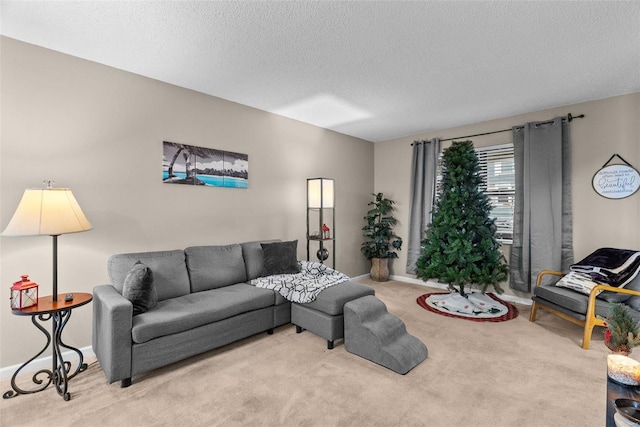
374,70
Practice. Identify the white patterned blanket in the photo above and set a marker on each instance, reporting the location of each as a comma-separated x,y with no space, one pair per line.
305,286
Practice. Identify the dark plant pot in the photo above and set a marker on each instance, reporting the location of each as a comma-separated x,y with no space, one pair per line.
379,269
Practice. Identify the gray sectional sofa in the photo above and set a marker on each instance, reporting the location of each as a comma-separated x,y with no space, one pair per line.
204,301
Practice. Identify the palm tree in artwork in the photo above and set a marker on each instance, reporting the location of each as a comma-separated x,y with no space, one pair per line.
187,164
189,153
175,157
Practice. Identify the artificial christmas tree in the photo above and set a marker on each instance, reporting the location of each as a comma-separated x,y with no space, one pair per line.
460,246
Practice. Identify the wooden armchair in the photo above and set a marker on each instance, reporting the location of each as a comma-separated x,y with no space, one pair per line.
584,310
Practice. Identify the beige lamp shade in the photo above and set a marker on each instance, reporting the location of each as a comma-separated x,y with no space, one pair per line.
320,193
50,211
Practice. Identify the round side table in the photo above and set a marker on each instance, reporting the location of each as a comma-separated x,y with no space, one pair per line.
58,312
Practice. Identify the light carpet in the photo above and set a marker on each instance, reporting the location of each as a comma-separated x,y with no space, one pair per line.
513,373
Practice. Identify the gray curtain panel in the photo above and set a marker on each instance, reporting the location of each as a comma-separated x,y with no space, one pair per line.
542,228
424,165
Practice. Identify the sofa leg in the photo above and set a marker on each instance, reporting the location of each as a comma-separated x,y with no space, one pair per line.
329,345
299,329
125,383
270,331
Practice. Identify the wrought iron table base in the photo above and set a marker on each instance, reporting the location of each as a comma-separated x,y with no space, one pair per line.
60,372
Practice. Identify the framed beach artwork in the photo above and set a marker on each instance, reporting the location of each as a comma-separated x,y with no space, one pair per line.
191,165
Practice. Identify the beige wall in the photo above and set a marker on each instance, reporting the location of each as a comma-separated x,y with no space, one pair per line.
610,126
99,131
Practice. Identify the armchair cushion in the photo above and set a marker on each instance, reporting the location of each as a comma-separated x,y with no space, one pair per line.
568,299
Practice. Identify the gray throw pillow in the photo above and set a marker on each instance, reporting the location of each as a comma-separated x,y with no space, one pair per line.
280,258
138,288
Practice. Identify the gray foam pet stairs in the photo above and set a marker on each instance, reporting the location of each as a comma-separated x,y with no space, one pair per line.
371,332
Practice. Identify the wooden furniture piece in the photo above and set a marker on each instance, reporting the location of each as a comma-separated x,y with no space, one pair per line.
59,313
584,310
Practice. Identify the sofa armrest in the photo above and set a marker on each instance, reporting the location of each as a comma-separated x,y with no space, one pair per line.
112,322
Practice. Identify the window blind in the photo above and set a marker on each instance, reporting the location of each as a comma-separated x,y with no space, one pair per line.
498,173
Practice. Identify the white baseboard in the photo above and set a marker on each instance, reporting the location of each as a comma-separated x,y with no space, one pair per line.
45,362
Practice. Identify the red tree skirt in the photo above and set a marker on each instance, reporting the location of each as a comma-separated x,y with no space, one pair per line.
512,312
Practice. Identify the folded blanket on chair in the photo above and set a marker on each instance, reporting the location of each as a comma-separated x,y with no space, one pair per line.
611,266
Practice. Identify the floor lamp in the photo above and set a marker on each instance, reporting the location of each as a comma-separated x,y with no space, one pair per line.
48,212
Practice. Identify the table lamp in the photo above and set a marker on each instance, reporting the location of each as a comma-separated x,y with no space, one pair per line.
48,212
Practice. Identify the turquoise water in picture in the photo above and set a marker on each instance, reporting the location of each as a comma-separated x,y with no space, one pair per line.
214,180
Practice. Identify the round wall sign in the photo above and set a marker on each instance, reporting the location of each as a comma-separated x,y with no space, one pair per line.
616,181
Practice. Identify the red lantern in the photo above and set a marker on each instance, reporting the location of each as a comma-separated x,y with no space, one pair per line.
24,293
326,233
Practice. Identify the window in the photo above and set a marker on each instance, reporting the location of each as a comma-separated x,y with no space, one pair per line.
497,168
498,173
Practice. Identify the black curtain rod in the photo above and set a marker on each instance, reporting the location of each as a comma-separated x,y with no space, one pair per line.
568,119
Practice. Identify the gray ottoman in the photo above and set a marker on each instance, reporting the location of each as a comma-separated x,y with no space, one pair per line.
371,332
324,316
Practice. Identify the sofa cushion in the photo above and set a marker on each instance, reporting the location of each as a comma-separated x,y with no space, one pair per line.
254,257
332,300
280,258
569,299
138,288
170,277
199,308
212,267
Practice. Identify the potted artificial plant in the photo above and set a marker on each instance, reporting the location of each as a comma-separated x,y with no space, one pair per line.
622,333
460,247
382,242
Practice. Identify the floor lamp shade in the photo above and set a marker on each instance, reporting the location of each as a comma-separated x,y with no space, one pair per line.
320,193
48,212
